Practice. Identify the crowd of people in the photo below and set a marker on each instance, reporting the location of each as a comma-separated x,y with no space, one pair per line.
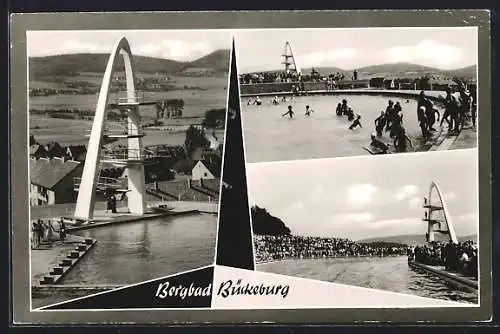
280,247
458,257
458,108
391,120
47,231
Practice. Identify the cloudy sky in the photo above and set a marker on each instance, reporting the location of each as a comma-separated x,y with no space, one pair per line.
365,197
182,45
445,48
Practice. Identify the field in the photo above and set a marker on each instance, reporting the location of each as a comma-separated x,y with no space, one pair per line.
211,95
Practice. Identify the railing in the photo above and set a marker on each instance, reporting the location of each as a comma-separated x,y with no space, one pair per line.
126,130
123,98
103,182
124,154
131,154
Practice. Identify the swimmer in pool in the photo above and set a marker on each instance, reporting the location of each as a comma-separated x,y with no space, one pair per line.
308,111
356,123
338,111
344,107
378,144
289,112
276,101
350,114
258,101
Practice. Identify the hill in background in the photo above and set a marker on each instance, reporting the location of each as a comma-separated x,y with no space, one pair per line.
217,61
412,239
72,64
395,70
263,223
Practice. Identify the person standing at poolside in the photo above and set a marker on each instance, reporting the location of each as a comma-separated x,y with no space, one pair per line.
389,114
380,123
451,111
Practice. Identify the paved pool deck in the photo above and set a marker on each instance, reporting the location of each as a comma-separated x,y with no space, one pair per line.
46,257
433,94
467,138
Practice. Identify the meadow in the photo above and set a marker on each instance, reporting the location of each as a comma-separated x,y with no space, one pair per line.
210,94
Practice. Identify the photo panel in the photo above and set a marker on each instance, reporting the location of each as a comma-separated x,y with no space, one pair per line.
126,137
324,93
406,224
198,170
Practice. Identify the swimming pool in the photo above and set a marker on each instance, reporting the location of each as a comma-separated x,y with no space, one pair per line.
144,250
270,137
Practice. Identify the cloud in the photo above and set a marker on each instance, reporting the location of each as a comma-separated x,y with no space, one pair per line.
326,58
450,196
359,195
405,192
165,48
399,226
334,225
427,52
468,216
174,49
415,203
352,218
75,46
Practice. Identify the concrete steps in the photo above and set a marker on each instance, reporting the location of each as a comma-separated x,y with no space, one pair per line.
57,273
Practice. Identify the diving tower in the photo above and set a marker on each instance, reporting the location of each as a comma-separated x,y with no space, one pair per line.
437,216
132,157
289,60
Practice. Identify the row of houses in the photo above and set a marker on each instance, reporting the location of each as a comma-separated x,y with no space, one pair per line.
52,179
53,150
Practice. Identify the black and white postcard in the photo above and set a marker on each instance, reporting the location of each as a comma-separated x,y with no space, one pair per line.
126,132
320,93
250,167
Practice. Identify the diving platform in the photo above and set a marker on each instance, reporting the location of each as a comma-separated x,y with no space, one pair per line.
118,134
103,184
433,207
433,221
135,99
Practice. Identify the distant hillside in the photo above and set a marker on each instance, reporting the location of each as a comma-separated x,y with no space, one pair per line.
73,64
397,70
412,239
217,61
325,70
467,72
263,223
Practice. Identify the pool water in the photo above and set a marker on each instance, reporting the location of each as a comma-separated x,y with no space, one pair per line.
149,249
270,137
383,273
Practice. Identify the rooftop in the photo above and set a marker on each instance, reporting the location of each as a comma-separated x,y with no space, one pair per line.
48,172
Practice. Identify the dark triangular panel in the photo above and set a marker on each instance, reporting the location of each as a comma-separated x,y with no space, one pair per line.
234,242
152,294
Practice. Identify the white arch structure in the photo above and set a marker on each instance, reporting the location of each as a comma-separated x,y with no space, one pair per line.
289,59
434,219
86,194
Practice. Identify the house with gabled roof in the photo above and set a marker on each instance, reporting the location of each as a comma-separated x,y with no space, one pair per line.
37,151
206,169
52,180
76,152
